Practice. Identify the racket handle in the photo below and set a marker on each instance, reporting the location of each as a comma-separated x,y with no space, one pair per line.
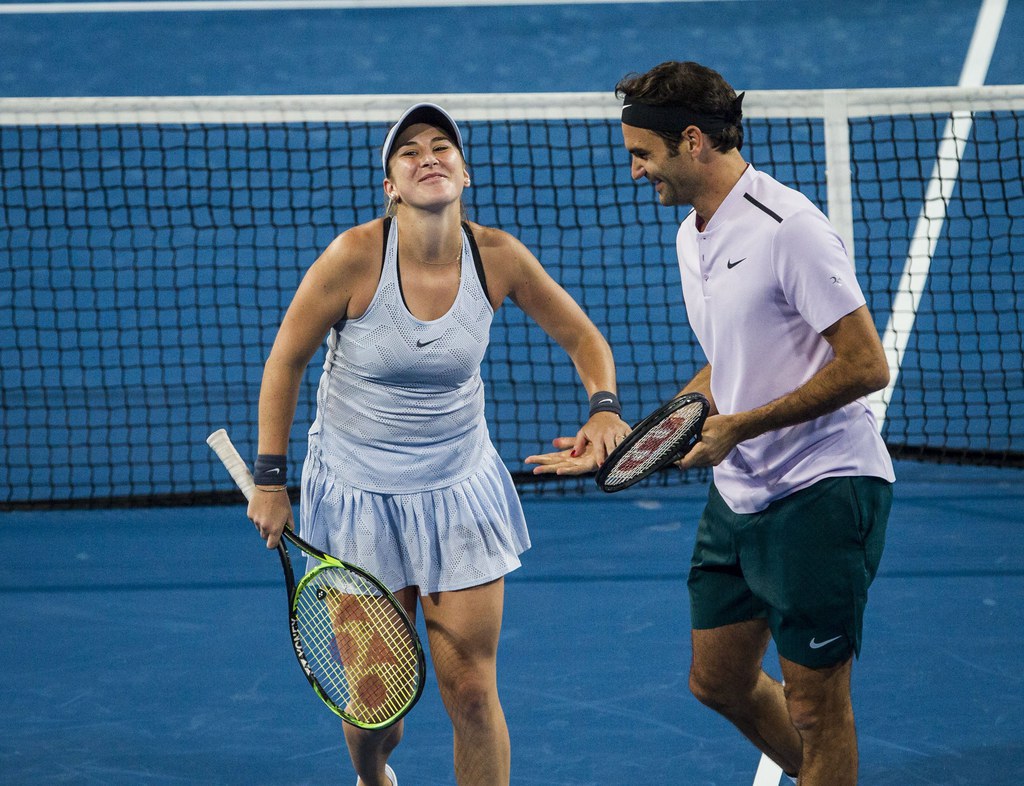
233,462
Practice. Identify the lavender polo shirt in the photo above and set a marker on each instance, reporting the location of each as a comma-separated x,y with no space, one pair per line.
761,282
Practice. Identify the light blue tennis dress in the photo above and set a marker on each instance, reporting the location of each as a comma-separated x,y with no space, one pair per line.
401,476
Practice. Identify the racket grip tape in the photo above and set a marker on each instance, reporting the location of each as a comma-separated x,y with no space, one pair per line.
233,462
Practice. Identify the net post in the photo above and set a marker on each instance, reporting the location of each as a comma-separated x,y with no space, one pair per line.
839,188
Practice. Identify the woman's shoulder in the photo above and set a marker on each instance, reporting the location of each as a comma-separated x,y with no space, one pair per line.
507,262
359,246
362,236
494,240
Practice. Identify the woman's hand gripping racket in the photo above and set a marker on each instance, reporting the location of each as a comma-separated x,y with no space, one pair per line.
355,643
660,439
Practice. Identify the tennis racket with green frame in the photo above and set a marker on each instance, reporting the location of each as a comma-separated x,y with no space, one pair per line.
352,637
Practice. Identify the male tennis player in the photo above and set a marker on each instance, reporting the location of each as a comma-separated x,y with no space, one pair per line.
793,530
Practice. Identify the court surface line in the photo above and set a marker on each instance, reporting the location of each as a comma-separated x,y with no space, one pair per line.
189,6
945,175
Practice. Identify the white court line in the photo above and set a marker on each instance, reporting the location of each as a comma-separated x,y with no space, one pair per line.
922,245
126,6
768,773
936,202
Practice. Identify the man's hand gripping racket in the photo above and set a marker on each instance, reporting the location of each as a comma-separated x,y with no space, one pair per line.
355,643
660,439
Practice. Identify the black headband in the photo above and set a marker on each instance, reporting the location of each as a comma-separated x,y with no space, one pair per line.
675,118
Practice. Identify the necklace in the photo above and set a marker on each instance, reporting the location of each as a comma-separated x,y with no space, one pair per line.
458,258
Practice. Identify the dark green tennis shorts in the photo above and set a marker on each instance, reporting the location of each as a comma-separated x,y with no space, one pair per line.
804,564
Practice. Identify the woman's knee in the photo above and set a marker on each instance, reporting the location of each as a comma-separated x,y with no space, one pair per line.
470,696
383,740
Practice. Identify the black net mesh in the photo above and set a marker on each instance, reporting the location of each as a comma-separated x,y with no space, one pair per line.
147,267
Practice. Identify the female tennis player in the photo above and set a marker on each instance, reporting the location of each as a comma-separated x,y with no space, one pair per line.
401,477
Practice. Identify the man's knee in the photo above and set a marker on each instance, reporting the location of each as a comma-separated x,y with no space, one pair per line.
726,663
808,717
817,708
720,690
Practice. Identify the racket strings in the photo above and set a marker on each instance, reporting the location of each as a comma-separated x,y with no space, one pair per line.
358,646
362,675
664,439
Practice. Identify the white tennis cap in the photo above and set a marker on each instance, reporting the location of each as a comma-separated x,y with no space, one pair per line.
424,112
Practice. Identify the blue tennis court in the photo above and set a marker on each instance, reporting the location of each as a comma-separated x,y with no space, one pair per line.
138,652
149,645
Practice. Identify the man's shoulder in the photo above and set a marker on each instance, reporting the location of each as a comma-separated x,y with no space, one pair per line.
776,199
688,227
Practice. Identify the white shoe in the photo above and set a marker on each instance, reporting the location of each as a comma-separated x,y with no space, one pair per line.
387,771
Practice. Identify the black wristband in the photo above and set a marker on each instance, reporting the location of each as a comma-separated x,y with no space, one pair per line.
270,470
604,401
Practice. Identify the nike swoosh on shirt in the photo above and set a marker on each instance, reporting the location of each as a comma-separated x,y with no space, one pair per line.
730,264
422,344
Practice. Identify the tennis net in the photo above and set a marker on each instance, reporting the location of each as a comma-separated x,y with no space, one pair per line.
152,244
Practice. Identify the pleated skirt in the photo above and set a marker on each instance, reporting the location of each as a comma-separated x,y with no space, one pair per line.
464,535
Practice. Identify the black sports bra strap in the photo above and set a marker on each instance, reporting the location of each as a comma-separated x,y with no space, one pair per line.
477,261
384,249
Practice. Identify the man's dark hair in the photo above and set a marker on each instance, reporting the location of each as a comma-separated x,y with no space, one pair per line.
696,87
